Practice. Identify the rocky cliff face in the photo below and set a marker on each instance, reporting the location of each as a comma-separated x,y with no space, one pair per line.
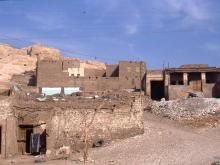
17,61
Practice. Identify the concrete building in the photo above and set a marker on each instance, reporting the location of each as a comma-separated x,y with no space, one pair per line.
174,83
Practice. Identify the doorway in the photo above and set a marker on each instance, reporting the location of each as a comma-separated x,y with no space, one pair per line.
157,90
28,139
195,81
25,138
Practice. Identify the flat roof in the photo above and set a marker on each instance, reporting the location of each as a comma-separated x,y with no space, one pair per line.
202,69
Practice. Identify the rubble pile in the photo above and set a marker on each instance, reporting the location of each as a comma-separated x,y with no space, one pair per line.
187,109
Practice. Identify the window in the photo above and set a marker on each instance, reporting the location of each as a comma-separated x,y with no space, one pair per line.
212,78
176,78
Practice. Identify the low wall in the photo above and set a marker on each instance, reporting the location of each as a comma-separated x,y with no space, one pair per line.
65,120
67,126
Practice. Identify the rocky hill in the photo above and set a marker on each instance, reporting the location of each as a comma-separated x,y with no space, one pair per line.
17,61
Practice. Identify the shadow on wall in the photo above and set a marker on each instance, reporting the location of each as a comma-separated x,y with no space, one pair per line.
216,90
32,81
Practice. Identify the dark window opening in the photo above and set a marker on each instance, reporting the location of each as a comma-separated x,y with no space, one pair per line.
176,79
157,90
194,77
212,78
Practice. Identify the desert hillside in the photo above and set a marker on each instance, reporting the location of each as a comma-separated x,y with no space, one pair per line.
17,61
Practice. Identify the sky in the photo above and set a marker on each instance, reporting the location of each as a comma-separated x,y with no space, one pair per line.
159,32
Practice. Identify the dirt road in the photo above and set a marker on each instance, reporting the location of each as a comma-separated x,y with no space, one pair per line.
164,142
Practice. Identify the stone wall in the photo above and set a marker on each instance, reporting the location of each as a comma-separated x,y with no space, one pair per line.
66,120
67,126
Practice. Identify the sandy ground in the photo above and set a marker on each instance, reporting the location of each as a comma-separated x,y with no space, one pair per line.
164,142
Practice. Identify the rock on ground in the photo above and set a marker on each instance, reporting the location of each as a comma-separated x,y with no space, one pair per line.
187,109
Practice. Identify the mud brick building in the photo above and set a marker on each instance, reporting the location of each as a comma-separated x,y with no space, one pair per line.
64,122
168,83
120,116
61,75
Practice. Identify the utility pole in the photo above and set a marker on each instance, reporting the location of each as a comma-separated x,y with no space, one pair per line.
140,77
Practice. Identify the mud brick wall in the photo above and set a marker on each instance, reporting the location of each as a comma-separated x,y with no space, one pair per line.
70,64
66,127
94,73
49,73
112,71
8,124
111,83
131,74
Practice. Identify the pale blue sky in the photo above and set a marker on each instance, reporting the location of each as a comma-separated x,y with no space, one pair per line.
156,31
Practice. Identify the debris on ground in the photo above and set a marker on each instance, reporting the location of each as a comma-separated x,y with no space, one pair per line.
187,109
